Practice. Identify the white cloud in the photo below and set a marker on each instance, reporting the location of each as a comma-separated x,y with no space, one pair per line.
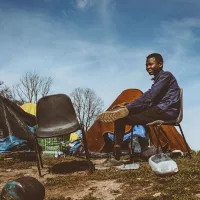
85,4
179,33
193,2
73,61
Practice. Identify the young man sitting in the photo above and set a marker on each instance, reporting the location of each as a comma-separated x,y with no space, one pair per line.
161,102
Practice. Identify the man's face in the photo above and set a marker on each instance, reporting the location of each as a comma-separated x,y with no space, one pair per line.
152,66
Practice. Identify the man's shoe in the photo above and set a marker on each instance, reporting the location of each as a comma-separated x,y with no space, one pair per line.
110,116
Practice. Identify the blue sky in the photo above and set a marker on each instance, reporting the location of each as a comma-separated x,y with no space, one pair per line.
103,44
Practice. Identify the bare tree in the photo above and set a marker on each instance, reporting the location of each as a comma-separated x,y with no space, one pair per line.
5,91
31,87
87,105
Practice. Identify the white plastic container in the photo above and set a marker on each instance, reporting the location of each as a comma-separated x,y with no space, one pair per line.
162,164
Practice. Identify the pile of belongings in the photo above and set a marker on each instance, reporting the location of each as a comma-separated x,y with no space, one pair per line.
12,143
138,132
73,146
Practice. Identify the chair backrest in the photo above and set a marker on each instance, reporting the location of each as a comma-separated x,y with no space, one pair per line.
56,116
180,116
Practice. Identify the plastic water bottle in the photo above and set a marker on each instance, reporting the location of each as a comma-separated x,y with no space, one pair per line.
162,164
136,145
56,154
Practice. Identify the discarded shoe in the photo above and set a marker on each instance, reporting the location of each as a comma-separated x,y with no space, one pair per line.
110,116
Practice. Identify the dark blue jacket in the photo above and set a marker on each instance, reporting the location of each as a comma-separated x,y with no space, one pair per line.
164,93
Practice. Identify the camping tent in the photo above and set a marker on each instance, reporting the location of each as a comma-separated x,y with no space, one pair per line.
14,121
169,136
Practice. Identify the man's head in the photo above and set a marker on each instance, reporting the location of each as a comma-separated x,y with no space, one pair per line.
154,63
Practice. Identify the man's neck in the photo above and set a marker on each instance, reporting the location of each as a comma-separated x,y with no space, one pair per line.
157,73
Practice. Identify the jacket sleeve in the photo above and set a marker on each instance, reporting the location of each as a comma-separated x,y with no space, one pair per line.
149,98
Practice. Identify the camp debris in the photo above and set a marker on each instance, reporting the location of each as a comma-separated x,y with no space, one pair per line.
14,122
162,164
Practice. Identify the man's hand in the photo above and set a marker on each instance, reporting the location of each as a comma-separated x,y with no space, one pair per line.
121,105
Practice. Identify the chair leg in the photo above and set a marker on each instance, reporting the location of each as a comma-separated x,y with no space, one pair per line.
158,127
131,148
39,153
85,143
150,138
37,157
158,138
185,141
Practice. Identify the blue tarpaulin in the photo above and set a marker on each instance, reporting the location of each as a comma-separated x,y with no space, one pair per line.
138,130
9,143
77,144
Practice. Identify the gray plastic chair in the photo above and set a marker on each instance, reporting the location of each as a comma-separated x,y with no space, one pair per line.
176,122
56,117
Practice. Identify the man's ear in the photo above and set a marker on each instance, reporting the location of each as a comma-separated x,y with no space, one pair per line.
161,65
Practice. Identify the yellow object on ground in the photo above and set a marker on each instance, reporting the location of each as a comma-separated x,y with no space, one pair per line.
29,108
73,137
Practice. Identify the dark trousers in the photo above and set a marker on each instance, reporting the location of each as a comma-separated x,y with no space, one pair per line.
142,118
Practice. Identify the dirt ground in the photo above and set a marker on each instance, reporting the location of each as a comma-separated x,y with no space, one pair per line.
89,189
67,179
108,189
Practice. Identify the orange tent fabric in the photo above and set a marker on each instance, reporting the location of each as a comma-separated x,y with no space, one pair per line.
95,134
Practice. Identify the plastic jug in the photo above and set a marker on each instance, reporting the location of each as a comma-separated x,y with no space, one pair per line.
162,164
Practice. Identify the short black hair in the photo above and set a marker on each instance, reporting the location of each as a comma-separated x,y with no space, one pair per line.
157,56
